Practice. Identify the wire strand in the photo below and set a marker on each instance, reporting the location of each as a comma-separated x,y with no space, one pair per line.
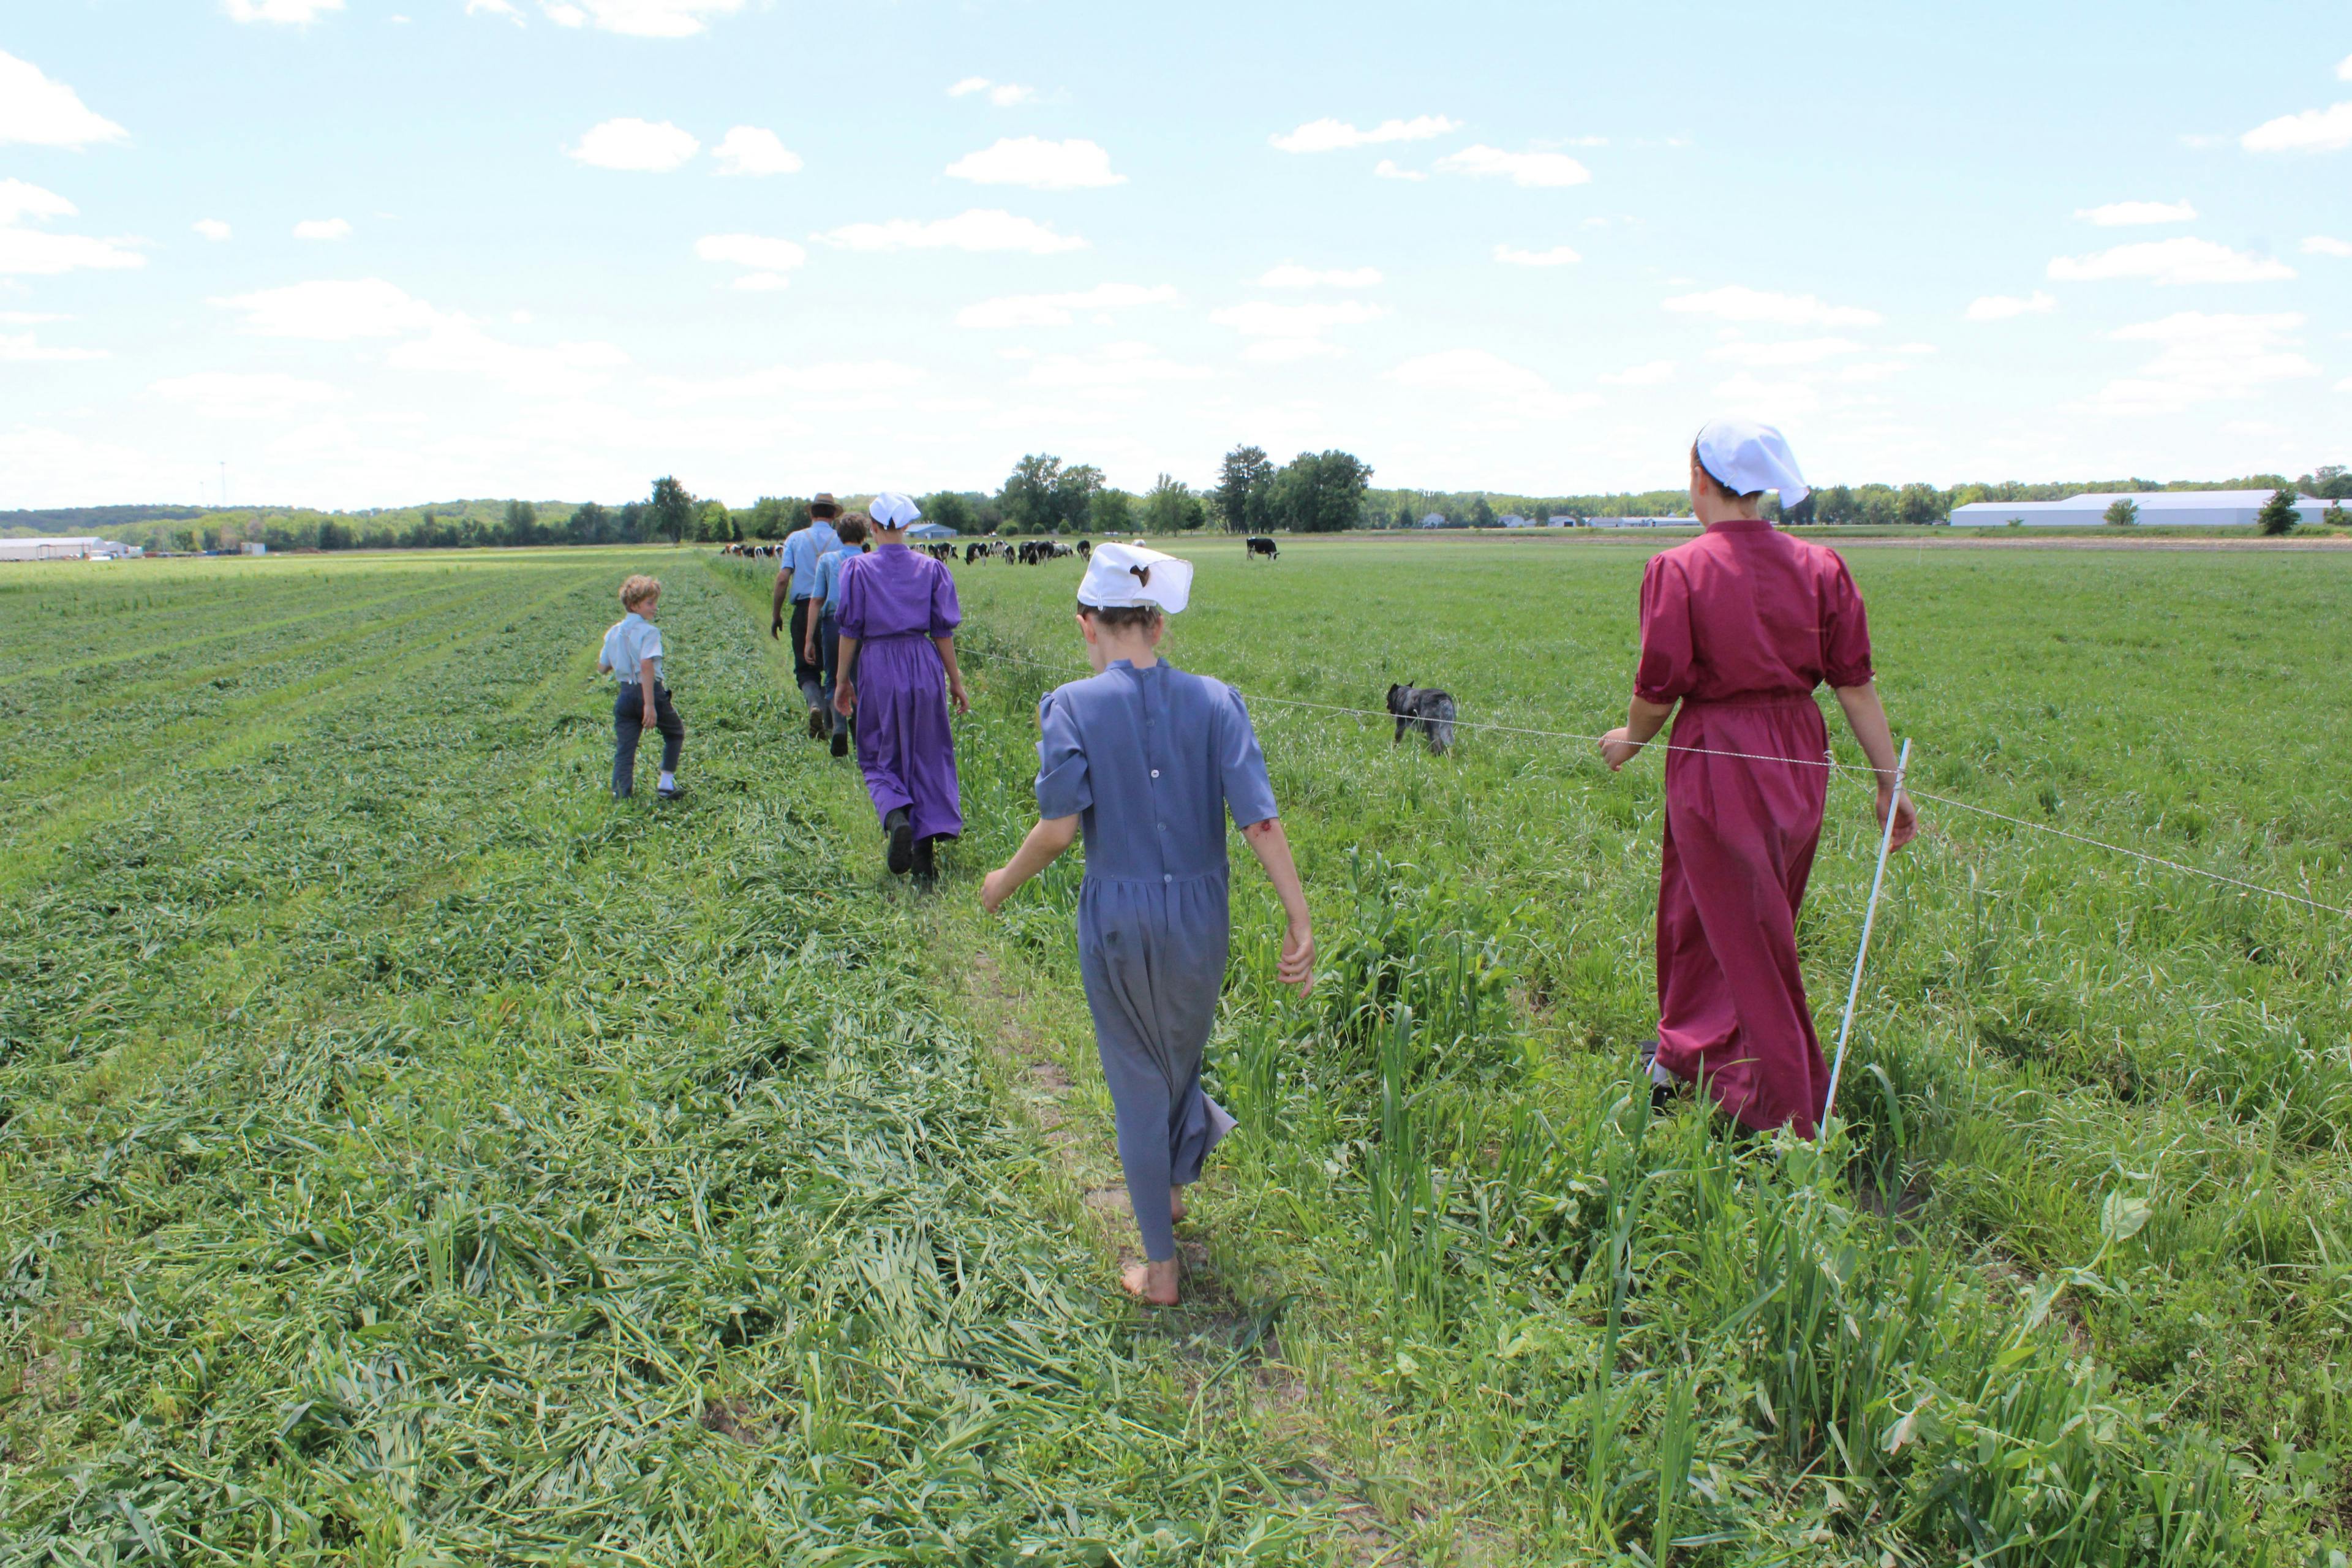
1859,773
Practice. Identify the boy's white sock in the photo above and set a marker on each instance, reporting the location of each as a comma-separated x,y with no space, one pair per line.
669,780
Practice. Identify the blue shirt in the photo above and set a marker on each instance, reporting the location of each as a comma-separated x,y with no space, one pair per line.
828,575
631,640
802,552
1152,761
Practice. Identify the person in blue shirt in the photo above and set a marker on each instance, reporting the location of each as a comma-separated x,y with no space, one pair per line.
825,627
632,652
796,579
1147,761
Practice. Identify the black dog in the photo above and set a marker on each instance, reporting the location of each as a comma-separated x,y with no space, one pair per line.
1427,710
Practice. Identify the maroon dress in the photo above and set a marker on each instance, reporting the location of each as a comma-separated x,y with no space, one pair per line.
1739,625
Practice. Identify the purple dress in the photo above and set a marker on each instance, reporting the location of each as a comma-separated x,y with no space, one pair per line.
894,602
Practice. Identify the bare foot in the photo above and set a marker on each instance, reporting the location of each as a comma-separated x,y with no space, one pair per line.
1151,1282
1176,1210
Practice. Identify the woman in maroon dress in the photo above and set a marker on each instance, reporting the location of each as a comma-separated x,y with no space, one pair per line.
1739,627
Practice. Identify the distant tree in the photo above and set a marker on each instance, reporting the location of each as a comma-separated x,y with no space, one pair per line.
1244,491
1029,491
2278,514
1482,515
671,512
2334,516
1801,514
1075,489
772,516
949,509
1836,505
713,524
1403,518
334,535
1164,505
1113,512
2122,512
1321,492
521,523
588,524
2332,481
633,523
1919,505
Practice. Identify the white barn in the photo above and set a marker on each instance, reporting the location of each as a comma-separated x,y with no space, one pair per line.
64,547
2157,509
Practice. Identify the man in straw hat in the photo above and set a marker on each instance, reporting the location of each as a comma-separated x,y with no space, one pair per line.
1739,627
1149,761
796,579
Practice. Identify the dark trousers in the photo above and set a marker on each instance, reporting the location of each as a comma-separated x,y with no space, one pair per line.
808,677
828,658
629,723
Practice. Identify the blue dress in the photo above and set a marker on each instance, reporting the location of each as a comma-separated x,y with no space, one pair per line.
1153,762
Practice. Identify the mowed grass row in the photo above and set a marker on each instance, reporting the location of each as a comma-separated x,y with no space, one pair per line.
408,1154
2073,1291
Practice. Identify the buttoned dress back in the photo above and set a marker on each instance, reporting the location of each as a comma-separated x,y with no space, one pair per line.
1153,762
1739,626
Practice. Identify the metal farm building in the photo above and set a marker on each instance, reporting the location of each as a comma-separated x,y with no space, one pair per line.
2157,509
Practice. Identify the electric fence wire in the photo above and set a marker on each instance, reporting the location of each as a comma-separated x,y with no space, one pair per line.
1860,774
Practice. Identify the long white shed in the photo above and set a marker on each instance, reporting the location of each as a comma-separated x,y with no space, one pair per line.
2157,509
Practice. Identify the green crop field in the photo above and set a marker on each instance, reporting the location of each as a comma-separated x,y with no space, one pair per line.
410,1155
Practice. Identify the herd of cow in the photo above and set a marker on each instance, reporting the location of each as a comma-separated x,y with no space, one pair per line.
1027,551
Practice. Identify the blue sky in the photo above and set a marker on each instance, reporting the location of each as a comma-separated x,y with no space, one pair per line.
365,253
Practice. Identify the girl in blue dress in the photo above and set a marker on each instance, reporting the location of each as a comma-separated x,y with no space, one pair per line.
1147,761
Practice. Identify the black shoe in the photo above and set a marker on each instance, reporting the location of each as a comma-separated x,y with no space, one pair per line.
1661,1095
902,841
675,792
816,723
926,872
841,740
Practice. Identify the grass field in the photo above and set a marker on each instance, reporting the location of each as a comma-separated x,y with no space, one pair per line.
408,1155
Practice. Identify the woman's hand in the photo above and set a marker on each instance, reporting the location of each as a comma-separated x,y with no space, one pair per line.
1618,747
1906,815
1296,966
956,696
844,697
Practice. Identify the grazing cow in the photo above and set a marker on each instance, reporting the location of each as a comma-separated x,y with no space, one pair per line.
1259,544
1085,550
1426,710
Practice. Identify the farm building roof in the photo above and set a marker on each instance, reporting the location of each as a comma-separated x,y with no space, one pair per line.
2160,509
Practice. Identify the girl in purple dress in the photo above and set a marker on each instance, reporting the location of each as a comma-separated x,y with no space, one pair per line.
897,620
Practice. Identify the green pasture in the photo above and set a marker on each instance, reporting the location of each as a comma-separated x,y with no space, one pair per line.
409,1156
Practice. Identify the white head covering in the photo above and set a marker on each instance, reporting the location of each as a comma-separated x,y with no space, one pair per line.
1748,455
1123,576
892,510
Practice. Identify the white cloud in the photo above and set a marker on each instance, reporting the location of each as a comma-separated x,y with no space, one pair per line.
20,200
2205,358
756,251
1061,309
1653,373
1390,169
643,146
1038,164
1332,136
981,229
2344,70
1003,94
1112,369
1284,350
1262,318
1476,375
2313,130
489,9
1872,371
456,346
2001,307
2125,214
1290,275
1770,399
231,394
1803,351
33,251
44,113
1558,255
211,229
2168,261
1482,162
332,311
23,346
2322,245
761,282
322,228
298,13
811,387
1736,303
29,318
641,18
749,150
